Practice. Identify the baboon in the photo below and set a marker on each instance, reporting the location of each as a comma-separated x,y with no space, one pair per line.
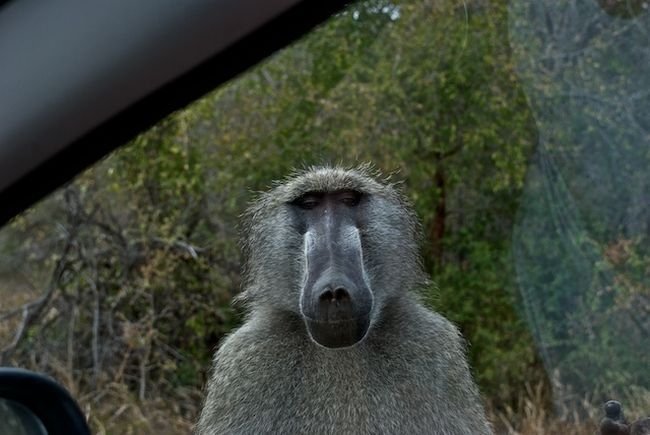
615,423
335,340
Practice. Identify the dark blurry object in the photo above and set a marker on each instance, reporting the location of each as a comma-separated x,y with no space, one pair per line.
614,410
614,422
32,404
640,427
17,420
624,8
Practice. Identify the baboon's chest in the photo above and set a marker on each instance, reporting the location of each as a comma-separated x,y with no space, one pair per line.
346,395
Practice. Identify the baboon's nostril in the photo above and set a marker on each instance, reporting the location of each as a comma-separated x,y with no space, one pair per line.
341,295
335,303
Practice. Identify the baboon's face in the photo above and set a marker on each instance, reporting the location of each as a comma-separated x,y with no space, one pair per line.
333,246
335,296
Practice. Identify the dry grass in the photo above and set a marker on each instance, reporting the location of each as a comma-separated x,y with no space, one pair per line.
532,416
13,295
115,410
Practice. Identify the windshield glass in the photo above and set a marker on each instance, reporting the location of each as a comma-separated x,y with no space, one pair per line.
581,248
520,131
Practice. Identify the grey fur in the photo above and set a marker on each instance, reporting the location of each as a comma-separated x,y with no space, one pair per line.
409,375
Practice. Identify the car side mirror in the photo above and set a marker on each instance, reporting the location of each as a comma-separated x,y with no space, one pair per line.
33,404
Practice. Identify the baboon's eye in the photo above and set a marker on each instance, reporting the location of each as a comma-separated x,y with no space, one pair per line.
308,201
351,198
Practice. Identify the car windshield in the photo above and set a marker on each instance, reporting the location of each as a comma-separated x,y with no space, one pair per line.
521,135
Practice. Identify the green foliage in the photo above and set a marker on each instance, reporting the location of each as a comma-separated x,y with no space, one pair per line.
478,294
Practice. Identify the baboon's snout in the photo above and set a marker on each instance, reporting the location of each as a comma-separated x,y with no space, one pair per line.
339,316
336,298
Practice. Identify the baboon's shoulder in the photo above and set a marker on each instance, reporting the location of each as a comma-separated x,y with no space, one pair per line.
244,389
260,340
411,324
432,346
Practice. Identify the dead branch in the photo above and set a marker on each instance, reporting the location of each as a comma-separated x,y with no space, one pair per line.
32,310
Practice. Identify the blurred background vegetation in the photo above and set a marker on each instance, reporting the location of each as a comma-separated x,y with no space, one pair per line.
119,285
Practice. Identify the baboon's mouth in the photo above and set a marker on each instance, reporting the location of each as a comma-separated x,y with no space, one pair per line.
338,333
